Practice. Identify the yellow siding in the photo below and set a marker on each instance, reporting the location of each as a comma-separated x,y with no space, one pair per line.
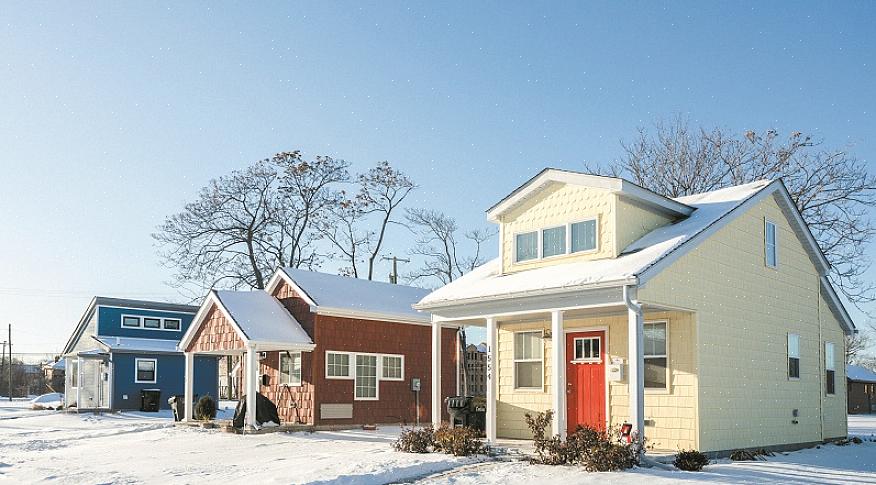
836,405
556,205
634,221
744,312
671,415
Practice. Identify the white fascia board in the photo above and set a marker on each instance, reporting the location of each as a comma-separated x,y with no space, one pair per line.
653,199
265,346
382,317
837,307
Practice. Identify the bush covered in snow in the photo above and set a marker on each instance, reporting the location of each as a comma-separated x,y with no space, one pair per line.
690,460
593,449
453,441
750,455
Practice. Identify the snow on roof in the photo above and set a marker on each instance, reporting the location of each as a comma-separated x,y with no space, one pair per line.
262,318
131,344
487,282
358,296
860,373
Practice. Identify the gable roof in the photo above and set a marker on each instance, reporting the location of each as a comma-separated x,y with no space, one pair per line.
258,318
641,260
98,301
859,373
616,185
344,296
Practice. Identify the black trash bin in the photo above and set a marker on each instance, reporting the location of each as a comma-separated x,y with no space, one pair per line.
149,400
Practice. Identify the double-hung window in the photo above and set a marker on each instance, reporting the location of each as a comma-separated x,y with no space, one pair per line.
526,246
366,377
146,371
793,356
769,244
528,360
290,368
656,357
829,369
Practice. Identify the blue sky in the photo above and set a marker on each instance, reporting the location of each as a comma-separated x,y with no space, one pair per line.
112,116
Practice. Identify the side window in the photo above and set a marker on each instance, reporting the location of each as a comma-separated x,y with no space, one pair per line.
337,365
793,356
656,360
526,246
528,361
146,371
769,244
290,368
392,368
829,368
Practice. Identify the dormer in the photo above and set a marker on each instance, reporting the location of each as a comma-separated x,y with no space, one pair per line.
560,216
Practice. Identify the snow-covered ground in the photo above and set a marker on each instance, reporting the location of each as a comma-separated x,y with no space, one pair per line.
49,446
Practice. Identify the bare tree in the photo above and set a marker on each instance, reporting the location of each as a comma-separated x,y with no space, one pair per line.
832,189
220,239
343,229
438,245
381,191
857,344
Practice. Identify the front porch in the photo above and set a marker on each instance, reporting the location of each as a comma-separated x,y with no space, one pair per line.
598,384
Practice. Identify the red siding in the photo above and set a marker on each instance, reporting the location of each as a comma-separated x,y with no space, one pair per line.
215,334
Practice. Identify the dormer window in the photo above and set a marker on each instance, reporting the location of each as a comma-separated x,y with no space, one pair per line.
584,236
553,241
526,245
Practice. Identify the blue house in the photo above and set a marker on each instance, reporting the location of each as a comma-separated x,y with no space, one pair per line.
123,350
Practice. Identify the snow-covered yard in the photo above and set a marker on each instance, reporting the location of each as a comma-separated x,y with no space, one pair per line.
47,446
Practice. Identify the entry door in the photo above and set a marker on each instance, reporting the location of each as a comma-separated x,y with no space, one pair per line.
585,379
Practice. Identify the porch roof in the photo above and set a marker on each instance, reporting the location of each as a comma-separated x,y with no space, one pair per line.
130,344
487,282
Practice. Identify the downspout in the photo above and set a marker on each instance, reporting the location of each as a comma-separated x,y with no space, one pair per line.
635,359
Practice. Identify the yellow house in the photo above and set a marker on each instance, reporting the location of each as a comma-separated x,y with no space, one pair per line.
721,299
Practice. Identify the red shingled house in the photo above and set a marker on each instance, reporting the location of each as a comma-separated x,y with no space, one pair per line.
330,350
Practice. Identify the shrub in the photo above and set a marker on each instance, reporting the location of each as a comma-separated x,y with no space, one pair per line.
593,449
414,440
205,408
458,441
690,460
750,455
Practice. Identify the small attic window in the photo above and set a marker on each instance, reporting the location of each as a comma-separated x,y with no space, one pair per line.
526,246
769,242
584,236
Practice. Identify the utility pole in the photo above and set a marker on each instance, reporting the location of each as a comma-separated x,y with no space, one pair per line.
10,362
393,277
2,361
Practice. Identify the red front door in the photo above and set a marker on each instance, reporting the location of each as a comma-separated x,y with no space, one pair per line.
585,379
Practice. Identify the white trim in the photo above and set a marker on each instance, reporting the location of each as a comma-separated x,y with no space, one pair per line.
350,371
375,316
377,369
666,355
586,360
515,360
401,357
837,307
137,370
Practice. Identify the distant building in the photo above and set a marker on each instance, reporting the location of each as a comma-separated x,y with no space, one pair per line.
54,375
476,364
862,389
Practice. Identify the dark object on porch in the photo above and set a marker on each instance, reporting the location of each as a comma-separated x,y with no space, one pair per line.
205,409
463,412
149,399
266,411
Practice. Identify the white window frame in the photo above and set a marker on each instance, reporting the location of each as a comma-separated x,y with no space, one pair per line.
537,246
157,319
178,324
137,371
790,356
292,355
378,370
162,323
351,372
139,321
539,233
766,245
515,360
829,365
394,356
587,359
660,390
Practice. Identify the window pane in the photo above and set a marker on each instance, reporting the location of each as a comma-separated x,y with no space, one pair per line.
579,349
151,323
171,324
655,372
366,376
584,236
131,321
338,364
770,243
829,356
527,246
528,374
831,382
392,367
553,241
793,367
527,345
793,345
145,370
596,343
655,339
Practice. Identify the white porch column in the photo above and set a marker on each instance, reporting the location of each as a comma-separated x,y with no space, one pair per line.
251,369
636,359
189,392
436,373
558,373
492,378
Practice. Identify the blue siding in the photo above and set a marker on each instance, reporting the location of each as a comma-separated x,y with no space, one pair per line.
170,378
109,322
